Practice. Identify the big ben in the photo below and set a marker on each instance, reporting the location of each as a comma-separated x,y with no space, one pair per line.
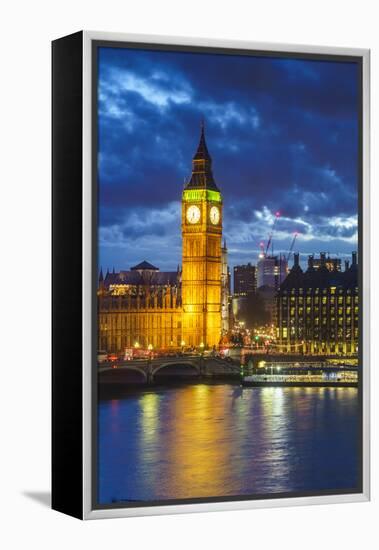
201,262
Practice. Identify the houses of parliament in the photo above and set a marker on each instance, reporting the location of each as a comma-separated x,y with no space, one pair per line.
147,307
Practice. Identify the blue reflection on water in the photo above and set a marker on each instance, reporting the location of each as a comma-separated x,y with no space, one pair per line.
221,440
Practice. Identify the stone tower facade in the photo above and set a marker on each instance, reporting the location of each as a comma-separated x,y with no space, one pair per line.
201,253
225,291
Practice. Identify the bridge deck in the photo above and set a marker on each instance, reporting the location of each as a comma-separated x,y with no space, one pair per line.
208,367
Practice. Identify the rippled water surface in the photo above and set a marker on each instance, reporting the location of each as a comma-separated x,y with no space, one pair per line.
221,440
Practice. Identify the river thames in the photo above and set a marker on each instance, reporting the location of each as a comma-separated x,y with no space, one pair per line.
221,440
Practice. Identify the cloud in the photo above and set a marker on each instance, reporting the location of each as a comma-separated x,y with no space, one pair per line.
143,234
283,135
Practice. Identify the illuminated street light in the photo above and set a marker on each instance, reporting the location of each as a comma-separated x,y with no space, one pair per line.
136,345
150,347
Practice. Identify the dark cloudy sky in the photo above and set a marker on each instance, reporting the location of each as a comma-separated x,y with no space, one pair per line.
283,135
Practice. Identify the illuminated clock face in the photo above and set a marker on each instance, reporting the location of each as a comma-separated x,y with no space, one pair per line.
214,215
193,214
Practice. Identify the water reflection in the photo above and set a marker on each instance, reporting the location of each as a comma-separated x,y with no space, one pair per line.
219,440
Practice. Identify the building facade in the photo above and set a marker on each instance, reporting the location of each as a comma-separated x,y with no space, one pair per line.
139,308
271,271
318,309
244,279
226,303
332,264
145,307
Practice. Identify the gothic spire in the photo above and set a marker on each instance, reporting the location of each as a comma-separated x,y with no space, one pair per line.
202,153
202,176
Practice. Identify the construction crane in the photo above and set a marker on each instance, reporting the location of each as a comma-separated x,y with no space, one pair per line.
277,215
292,245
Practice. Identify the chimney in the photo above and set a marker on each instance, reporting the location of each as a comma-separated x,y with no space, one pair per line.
354,259
296,259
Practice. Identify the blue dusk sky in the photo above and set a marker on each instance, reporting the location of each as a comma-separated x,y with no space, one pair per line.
282,133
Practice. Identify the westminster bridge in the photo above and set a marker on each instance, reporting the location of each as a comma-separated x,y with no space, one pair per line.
151,370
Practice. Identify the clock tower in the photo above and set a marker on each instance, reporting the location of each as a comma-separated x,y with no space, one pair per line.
201,262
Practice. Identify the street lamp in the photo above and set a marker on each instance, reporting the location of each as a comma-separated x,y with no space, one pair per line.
150,350
182,343
136,345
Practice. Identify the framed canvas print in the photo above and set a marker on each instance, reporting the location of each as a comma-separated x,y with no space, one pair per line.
210,275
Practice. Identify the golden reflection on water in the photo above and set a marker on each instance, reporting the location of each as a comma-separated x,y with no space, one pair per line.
197,447
218,440
149,417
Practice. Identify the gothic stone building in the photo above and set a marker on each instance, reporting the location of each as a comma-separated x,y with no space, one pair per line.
141,306
187,307
318,310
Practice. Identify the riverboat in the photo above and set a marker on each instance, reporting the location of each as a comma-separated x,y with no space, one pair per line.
301,377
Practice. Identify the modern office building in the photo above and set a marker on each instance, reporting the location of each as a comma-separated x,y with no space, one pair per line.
244,279
271,271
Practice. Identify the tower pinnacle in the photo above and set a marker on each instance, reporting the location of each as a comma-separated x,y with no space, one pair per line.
202,176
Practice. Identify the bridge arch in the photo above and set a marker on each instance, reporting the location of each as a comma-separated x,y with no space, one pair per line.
176,366
115,375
